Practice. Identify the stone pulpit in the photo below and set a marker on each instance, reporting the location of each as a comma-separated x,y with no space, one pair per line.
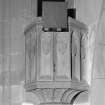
55,62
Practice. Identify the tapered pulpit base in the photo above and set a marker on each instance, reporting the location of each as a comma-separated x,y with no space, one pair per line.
59,96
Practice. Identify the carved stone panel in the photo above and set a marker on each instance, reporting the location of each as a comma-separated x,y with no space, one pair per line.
45,56
84,70
33,55
63,60
27,57
76,55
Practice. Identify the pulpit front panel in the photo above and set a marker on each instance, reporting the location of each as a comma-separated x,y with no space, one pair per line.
84,63
27,57
63,58
45,56
76,55
33,55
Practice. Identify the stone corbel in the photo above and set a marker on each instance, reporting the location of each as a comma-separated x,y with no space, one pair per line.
57,96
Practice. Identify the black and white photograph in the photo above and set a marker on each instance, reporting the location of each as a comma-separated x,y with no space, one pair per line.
52,52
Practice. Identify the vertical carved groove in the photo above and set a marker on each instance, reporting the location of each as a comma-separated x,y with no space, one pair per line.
25,62
30,58
71,53
54,58
35,29
80,58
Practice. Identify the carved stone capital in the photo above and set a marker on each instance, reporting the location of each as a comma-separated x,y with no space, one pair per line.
49,95
57,96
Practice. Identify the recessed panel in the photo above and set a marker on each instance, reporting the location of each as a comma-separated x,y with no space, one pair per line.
33,55
76,56
63,60
27,58
46,56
